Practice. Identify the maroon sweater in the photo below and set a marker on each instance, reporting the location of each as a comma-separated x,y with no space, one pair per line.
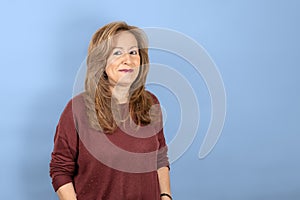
117,166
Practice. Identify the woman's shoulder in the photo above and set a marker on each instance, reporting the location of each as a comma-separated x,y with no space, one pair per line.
154,98
72,104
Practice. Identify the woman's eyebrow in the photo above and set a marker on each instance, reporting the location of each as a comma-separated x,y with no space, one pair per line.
123,48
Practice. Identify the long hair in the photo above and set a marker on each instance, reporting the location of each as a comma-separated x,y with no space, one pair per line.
98,96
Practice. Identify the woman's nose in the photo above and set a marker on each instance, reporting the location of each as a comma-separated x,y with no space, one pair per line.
126,59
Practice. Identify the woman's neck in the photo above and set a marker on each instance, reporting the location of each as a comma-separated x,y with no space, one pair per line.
120,93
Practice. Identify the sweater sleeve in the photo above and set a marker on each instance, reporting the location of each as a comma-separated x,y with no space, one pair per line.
63,157
162,154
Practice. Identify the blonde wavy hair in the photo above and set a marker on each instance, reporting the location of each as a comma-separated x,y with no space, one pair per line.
98,96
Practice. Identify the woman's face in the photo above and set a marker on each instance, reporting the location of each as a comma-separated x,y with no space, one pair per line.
123,62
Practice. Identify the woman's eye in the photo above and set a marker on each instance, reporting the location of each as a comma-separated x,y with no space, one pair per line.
117,53
134,52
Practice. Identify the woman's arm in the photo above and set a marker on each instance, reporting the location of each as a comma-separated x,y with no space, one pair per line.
164,182
66,192
64,155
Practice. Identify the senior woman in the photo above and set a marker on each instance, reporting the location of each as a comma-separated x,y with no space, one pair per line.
109,142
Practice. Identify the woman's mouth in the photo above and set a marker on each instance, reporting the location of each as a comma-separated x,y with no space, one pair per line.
126,70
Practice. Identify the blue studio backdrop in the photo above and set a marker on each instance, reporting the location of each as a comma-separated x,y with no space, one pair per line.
254,44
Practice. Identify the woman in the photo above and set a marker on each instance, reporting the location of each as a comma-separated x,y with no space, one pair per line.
109,141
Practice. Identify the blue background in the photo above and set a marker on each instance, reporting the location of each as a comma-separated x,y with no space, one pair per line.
255,45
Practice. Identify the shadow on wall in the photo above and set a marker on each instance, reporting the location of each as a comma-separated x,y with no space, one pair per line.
70,50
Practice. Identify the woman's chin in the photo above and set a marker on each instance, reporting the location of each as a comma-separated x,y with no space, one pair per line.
125,81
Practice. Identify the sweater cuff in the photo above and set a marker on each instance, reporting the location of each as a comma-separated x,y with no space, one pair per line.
162,158
60,180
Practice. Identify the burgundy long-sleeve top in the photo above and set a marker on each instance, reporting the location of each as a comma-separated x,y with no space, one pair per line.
117,166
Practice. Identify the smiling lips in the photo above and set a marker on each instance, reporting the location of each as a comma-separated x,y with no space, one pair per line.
126,70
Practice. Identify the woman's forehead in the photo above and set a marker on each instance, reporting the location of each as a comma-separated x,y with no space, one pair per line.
124,39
